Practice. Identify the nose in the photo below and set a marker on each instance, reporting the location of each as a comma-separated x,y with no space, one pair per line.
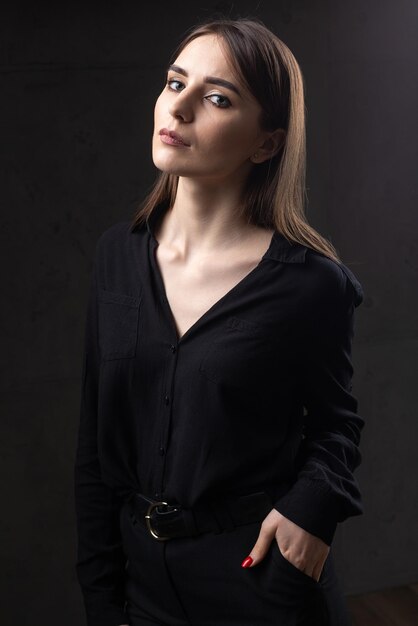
181,107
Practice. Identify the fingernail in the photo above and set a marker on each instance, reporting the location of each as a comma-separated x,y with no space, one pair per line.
247,562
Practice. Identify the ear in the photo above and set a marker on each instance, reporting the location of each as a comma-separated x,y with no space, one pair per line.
270,146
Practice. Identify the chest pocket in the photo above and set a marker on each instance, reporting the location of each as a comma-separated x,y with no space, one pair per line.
243,354
118,324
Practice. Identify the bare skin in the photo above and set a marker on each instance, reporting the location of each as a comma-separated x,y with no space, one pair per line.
196,282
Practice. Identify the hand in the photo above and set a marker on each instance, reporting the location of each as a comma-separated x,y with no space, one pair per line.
305,551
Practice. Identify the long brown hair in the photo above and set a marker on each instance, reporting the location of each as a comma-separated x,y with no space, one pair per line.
275,192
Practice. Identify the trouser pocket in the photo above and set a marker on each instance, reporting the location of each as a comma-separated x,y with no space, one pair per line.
283,562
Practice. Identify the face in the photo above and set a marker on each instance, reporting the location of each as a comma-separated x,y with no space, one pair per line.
219,125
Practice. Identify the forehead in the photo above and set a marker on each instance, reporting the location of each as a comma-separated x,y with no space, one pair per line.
206,55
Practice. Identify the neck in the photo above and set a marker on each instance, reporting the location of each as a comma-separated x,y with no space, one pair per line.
205,216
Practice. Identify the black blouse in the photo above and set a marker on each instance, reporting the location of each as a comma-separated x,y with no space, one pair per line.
257,394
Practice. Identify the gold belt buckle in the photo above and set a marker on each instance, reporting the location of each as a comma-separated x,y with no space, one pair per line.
148,519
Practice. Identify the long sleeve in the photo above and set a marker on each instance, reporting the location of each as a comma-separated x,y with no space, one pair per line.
325,491
100,559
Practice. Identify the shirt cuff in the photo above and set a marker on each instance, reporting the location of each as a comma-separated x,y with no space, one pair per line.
311,505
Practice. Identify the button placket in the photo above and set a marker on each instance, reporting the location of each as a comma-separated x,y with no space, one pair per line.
165,420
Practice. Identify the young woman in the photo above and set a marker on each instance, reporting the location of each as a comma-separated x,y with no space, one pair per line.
218,432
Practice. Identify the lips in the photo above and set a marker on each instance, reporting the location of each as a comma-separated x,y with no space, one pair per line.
175,136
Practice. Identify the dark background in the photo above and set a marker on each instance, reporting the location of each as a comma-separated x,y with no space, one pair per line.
78,84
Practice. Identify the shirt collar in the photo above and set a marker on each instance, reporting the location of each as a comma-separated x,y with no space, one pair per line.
280,248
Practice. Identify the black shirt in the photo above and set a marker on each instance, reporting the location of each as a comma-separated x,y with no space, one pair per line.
257,394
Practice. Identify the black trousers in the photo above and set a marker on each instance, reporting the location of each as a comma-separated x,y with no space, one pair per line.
199,581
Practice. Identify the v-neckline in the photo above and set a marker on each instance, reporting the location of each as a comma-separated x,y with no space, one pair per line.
180,338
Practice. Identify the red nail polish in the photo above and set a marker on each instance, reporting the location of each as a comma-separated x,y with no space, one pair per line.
247,562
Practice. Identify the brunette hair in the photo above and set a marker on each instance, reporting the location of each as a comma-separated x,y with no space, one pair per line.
275,191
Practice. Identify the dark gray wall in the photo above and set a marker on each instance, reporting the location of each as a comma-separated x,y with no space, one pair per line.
77,91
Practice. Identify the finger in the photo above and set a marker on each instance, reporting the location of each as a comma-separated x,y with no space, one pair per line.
259,550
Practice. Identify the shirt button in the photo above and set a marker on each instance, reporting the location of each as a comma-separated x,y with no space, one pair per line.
166,399
161,451
172,348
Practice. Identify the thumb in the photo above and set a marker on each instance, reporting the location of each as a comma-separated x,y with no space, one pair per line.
260,548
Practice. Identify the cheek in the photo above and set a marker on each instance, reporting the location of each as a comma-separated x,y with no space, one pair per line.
158,106
156,110
234,138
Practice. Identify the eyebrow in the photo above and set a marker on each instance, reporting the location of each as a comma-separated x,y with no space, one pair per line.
213,80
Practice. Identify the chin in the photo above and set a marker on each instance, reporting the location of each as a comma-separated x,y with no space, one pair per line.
169,166
175,171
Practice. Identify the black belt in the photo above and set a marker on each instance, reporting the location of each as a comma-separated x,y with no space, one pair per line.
166,521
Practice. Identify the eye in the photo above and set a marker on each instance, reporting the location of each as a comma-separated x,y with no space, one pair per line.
170,81
226,102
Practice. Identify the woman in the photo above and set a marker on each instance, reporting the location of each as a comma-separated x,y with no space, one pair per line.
218,433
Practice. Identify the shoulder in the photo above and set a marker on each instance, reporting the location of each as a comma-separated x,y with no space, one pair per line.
331,281
115,234
114,241
115,261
